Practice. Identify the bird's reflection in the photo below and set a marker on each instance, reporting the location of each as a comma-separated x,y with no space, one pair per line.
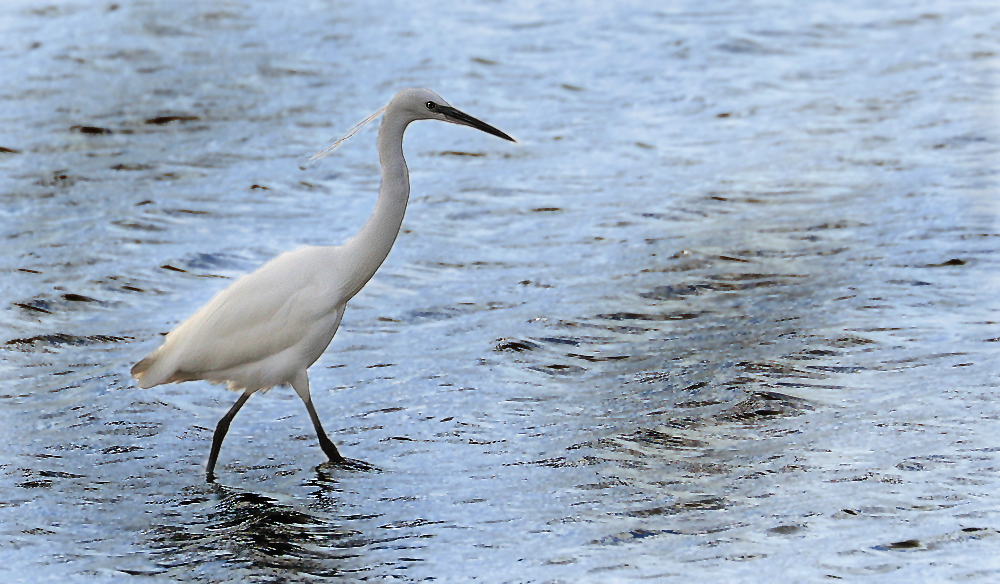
262,532
270,529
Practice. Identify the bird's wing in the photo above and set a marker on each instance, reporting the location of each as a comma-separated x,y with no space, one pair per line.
259,315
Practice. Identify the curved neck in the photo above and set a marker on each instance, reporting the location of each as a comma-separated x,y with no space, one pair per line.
370,246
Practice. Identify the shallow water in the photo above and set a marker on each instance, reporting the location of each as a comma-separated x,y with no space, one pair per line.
727,311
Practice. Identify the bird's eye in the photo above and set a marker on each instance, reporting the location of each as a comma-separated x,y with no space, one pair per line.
430,105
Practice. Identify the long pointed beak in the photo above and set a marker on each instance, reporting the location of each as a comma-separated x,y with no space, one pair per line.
459,117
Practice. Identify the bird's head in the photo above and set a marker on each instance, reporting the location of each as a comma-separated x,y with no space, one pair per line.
424,104
417,104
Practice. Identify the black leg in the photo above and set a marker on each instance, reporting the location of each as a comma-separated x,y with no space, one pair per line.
220,434
324,442
301,386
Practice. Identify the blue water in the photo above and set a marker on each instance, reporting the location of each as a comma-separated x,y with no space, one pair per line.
727,311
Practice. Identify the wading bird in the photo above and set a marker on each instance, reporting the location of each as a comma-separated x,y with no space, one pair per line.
271,325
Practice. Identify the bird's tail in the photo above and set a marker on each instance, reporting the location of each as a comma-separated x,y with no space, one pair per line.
141,371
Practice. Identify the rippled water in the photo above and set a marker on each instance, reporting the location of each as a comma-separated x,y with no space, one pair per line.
728,311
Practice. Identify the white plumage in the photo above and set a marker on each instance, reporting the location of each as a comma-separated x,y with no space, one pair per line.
270,326
258,332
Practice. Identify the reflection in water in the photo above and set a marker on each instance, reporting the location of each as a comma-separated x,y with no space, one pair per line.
281,538
249,531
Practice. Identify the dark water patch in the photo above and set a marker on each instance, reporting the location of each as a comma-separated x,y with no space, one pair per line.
696,385
738,283
132,166
139,225
701,504
942,541
120,449
45,304
214,262
661,439
813,354
752,276
449,312
78,298
757,406
388,410
539,350
565,462
837,368
947,264
58,178
927,463
786,530
63,339
745,46
649,317
905,545
869,476
561,341
745,197
598,358
627,537
624,329
278,72
60,474
514,346
475,264
91,130
771,369
557,369
732,282
673,291
130,428
34,484
842,224
37,305
692,404
163,120
847,342
686,262
177,176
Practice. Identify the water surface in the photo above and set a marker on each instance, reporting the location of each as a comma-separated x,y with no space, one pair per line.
727,311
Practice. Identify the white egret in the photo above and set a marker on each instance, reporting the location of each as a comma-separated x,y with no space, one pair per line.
270,326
